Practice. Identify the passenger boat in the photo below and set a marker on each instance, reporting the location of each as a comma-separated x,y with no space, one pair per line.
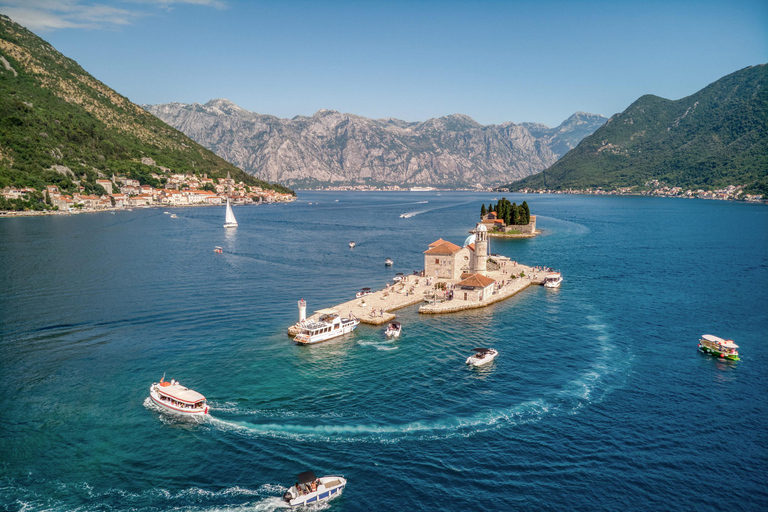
352,244
328,326
310,489
482,356
719,347
218,249
229,218
175,397
364,292
393,330
398,277
553,280
388,262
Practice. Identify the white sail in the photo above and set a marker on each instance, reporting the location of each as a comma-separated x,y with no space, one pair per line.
230,221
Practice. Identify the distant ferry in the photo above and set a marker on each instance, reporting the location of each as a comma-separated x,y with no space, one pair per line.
175,397
329,326
421,189
726,349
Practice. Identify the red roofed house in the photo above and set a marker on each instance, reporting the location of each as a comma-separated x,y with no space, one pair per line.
474,287
445,260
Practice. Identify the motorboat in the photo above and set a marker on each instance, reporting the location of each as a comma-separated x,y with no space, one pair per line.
177,398
482,356
328,326
310,489
174,216
364,292
398,277
553,280
229,218
719,347
388,262
393,330
352,244
218,249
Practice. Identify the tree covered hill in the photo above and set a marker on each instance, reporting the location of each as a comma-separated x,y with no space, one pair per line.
58,124
711,139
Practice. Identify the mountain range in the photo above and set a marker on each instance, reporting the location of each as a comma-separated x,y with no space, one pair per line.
60,126
714,138
331,148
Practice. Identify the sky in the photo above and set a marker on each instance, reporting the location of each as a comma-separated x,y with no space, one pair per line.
495,61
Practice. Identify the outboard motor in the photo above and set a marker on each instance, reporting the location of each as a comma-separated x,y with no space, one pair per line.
288,496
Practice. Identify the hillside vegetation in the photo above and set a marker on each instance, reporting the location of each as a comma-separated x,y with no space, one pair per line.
711,139
58,124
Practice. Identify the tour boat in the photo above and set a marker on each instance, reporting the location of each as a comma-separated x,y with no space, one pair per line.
175,397
393,330
352,244
310,489
363,292
229,219
328,326
482,356
218,249
388,262
719,347
553,280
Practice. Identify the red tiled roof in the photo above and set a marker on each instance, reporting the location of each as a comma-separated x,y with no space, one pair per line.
437,242
476,281
443,248
471,247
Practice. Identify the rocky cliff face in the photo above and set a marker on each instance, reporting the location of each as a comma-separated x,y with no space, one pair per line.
330,148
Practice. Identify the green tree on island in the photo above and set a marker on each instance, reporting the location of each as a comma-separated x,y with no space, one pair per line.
483,211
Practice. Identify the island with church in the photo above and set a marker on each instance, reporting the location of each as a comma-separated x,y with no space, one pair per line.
508,220
454,278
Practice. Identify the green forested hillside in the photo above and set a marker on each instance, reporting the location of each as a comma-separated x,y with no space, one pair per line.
711,139
54,115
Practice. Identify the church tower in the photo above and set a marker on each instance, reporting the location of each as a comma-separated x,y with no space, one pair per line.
481,249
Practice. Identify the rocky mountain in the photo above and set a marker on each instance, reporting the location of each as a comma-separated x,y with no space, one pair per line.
712,139
331,148
60,126
568,135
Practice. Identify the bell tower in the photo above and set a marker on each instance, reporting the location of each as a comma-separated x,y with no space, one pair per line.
481,249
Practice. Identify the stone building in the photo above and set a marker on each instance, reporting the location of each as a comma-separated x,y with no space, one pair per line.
474,287
446,260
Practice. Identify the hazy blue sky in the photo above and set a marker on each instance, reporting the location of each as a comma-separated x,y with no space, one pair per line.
494,61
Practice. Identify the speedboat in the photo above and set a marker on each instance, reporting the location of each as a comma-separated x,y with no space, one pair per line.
352,244
393,330
218,249
177,398
388,262
553,280
363,292
174,216
719,347
482,356
398,277
329,326
310,489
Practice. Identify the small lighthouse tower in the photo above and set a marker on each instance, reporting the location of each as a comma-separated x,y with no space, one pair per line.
302,310
481,249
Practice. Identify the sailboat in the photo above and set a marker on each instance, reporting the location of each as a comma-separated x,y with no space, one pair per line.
230,221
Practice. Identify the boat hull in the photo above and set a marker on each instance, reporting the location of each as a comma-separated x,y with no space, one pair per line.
324,494
474,361
319,338
718,354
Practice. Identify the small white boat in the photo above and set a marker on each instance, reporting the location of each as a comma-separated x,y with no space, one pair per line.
727,349
229,219
393,330
174,216
352,244
175,397
310,489
167,213
398,277
388,262
218,249
329,326
364,292
553,280
482,356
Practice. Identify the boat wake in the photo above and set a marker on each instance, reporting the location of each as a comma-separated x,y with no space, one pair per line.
408,215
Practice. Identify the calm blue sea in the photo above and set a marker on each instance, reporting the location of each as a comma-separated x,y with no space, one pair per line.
598,400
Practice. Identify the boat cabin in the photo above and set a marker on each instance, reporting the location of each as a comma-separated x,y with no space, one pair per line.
175,395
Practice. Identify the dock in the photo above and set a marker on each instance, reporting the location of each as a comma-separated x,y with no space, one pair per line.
433,293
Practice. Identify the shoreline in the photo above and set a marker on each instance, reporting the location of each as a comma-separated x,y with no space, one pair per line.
54,213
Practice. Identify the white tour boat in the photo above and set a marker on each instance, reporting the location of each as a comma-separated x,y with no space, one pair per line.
364,292
175,397
719,347
352,244
482,356
388,262
229,219
328,326
553,280
310,489
393,330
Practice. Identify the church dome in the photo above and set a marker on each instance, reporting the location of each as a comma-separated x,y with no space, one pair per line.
481,227
470,240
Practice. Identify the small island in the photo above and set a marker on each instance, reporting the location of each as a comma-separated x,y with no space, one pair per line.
508,220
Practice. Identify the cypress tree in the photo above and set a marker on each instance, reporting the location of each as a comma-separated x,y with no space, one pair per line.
515,214
482,211
527,212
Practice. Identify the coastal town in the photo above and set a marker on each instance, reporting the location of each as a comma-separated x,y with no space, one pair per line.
122,192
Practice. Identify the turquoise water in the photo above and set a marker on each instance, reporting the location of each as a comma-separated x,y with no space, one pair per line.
597,401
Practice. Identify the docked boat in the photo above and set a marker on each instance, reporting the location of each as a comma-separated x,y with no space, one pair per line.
328,326
229,219
218,249
309,489
388,262
482,356
398,277
352,244
553,280
393,330
177,398
719,347
363,293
